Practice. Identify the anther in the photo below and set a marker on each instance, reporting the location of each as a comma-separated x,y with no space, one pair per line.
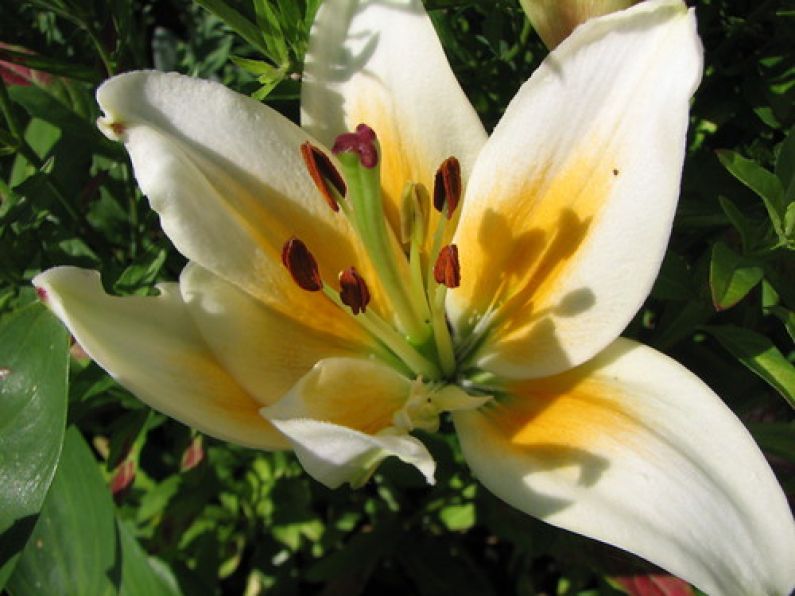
447,186
447,271
354,291
301,265
323,173
362,142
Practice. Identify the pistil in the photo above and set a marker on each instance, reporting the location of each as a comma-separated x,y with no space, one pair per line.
359,156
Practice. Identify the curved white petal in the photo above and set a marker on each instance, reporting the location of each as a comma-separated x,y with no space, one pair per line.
264,350
632,449
151,346
338,419
381,63
334,454
225,174
356,393
569,207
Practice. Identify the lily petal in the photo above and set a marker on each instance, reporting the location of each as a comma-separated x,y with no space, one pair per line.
265,351
380,62
226,176
570,203
334,454
634,450
360,394
338,420
151,346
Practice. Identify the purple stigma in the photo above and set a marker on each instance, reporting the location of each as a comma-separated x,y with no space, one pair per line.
361,142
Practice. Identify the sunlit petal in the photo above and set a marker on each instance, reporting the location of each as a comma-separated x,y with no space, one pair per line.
632,449
334,454
265,351
151,346
226,176
380,62
570,203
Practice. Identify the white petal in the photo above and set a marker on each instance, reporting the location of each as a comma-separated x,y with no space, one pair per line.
569,207
352,392
264,350
381,63
226,176
632,449
334,454
151,346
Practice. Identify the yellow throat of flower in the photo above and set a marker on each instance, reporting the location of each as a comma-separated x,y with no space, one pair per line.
415,271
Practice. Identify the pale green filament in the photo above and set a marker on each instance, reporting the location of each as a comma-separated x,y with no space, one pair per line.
364,192
382,331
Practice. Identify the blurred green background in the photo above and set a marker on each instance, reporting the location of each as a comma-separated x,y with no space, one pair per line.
140,504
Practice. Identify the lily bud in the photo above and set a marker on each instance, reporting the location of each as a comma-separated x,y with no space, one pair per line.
554,20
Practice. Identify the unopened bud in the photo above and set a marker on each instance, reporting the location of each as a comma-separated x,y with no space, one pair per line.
301,265
447,187
554,20
354,291
447,271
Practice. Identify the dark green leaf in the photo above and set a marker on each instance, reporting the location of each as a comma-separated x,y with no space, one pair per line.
139,574
731,276
760,355
237,22
777,438
74,548
759,180
33,363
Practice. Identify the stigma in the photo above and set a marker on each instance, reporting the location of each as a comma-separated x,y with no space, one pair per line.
413,268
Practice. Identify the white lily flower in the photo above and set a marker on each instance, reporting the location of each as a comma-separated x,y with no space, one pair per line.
318,321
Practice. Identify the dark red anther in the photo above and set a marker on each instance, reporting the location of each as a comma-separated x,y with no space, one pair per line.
301,265
354,291
323,173
361,142
447,271
42,294
447,186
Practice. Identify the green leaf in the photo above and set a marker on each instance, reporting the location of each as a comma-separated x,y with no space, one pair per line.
787,317
731,276
237,22
458,518
33,369
760,355
742,224
139,573
777,438
74,546
758,179
785,166
674,281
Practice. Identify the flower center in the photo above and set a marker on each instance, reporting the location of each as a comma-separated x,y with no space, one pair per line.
414,274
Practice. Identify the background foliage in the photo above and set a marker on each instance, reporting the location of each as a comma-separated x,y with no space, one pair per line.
127,501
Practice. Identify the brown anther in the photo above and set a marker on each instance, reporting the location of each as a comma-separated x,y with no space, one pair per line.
447,186
301,265
354,291
362,142
323,173
447,271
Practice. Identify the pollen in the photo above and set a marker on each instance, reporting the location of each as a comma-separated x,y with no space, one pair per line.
323,174
354,291
447,270
447,186
301,265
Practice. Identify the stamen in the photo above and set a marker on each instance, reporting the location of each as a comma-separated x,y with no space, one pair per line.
447,270
354,291
301,265
323,173
447,186
362,142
